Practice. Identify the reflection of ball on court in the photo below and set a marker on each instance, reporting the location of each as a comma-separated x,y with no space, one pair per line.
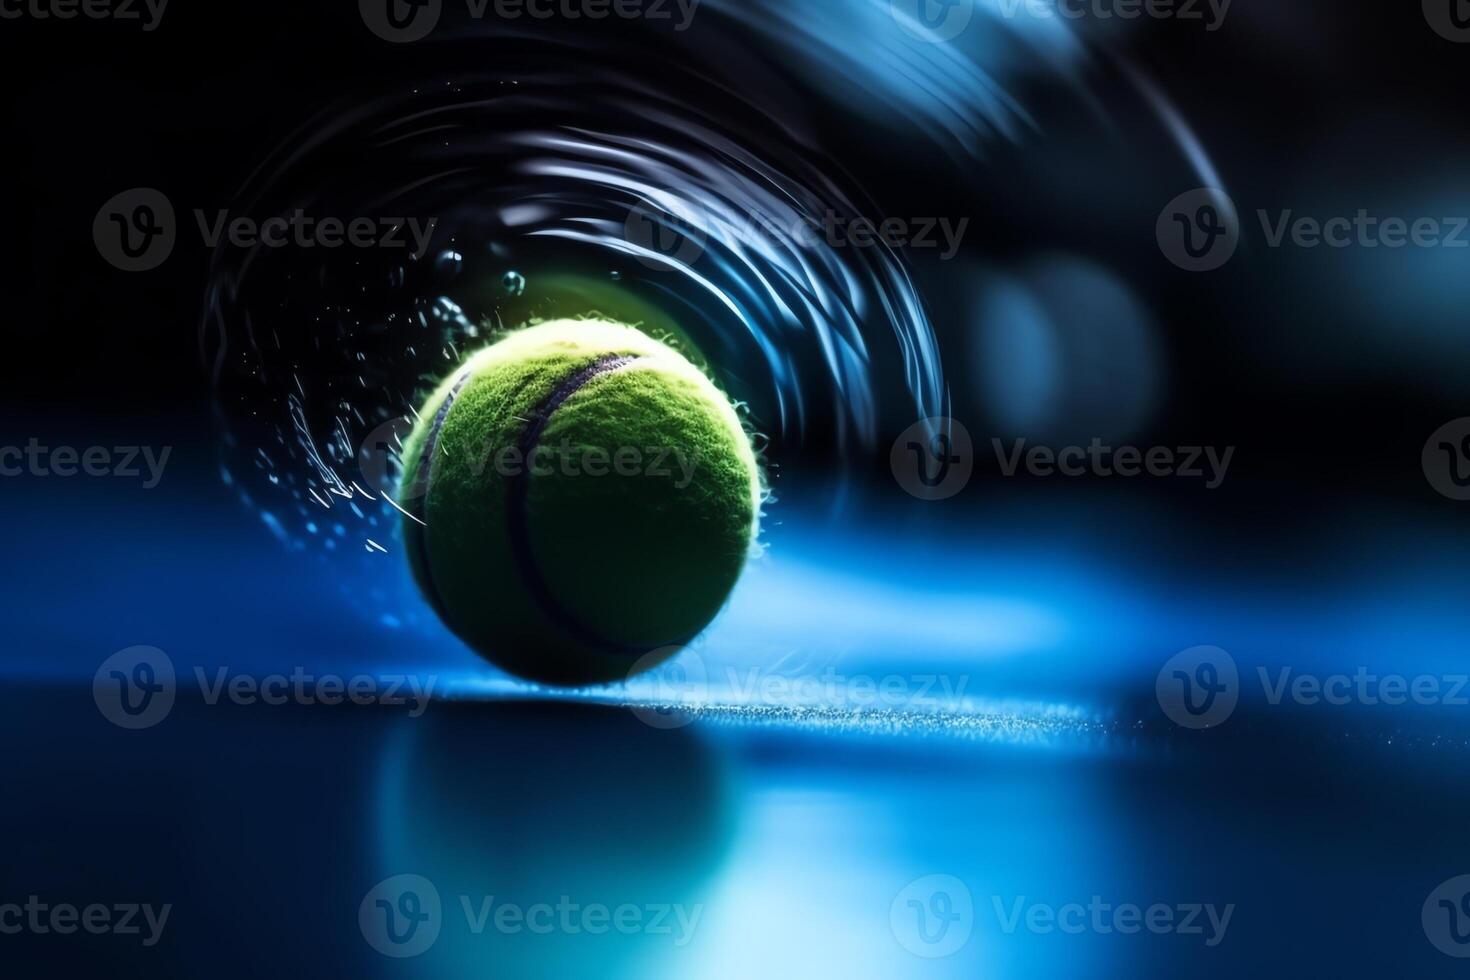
579,494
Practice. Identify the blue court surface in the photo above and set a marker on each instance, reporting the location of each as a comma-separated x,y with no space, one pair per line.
886,759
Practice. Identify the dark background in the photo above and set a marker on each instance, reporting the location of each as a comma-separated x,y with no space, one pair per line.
1318,102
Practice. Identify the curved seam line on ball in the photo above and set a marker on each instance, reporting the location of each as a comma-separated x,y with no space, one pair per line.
520,532
422,482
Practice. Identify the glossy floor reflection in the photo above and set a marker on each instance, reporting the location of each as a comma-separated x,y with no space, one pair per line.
565,840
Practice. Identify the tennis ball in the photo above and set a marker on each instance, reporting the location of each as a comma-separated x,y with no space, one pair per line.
578,496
